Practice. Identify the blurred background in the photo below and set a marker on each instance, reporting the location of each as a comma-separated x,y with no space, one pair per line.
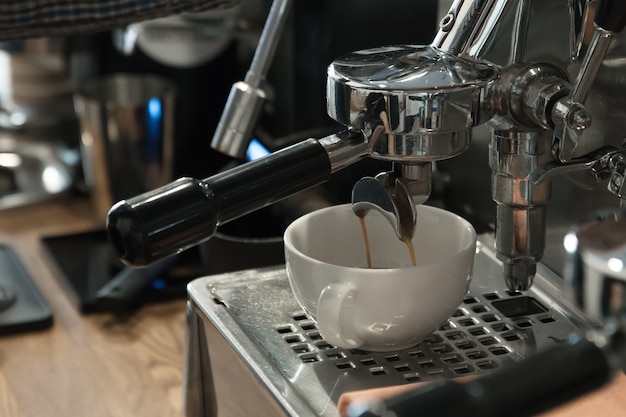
69,124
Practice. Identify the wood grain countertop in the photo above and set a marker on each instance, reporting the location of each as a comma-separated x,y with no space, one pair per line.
93,365
98,365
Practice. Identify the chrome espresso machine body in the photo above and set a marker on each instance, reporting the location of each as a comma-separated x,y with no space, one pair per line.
522,103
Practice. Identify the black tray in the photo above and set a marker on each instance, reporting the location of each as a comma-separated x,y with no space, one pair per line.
86,263
27,311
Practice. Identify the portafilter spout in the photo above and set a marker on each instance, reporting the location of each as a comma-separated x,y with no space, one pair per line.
394,194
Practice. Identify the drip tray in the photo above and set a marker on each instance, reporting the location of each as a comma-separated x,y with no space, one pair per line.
278,344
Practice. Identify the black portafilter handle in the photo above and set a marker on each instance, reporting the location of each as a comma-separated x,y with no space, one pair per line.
186,212
611,15
525,388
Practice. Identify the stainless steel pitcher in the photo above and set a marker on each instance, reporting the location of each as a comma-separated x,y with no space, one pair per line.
126,136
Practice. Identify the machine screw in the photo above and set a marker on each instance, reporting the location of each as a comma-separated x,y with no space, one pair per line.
446,22
578,118
617,166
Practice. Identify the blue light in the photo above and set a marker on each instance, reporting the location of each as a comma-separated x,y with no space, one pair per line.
159,284
154,116
256,150
154,108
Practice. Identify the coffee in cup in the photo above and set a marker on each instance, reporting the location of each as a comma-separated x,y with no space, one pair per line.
392,305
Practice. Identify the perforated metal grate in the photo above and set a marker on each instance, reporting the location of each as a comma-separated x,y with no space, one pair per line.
258,315
480,336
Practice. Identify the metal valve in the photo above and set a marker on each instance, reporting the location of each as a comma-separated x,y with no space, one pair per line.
570,117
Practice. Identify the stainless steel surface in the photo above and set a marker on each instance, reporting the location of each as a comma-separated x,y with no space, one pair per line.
595,266
126,141
31,171
35,87
457,29
416,103
276,347
520,31
246,98
606,164
521,203
558,36
395,194
571,117
344,148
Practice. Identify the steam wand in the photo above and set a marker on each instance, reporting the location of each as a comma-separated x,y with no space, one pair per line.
246,98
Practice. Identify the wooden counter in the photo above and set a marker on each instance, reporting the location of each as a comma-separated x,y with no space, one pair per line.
98,365
85,365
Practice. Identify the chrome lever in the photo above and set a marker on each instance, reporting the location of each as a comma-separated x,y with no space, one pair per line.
605,163
569,115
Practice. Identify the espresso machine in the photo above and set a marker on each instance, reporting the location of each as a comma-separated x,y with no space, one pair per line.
519,106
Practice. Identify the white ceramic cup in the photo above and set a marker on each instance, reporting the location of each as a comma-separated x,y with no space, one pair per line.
393,305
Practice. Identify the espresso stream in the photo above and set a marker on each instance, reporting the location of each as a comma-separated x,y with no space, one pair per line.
407,241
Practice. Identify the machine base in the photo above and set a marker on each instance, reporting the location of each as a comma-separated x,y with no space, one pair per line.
247,334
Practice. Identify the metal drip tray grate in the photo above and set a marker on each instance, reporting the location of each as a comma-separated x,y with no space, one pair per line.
257,314
478,337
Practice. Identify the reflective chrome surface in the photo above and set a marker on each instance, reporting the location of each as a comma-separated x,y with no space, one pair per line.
35,88
418,102
32,171
127,135
521,204
596,263
246,98
394,194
